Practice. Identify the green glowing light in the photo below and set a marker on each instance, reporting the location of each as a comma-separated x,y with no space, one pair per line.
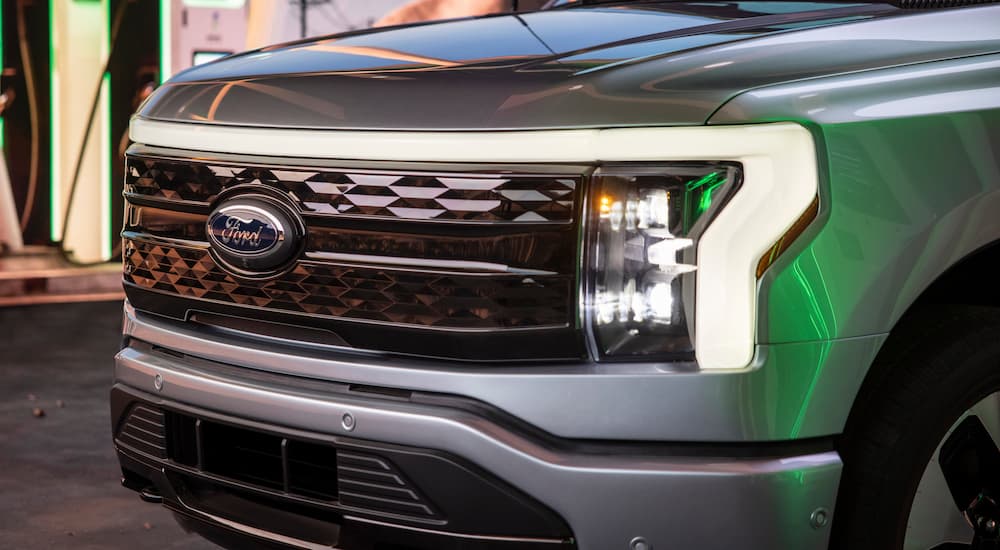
101,139
711,184
165,41
55,199
107,141
106,172
698,195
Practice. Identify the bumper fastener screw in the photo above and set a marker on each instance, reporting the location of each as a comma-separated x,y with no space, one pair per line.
819,518
639,543
348,422
158,382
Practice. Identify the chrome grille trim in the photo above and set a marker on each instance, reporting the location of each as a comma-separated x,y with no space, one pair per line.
432,264
397,262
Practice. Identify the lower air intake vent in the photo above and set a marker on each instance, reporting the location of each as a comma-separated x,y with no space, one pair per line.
329,489
143,430
370,482
315,471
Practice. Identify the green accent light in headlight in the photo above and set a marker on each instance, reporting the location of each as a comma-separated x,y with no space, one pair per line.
707,185
643,254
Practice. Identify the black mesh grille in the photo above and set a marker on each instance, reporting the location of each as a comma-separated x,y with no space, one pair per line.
143,430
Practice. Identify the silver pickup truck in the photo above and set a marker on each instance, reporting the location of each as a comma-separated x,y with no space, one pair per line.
604,276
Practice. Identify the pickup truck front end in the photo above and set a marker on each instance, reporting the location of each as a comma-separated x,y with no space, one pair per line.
385,297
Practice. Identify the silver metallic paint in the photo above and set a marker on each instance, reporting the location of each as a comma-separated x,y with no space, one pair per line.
557,69
909,192
763,503
794,390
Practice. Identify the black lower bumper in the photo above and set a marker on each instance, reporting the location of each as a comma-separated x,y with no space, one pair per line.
244,484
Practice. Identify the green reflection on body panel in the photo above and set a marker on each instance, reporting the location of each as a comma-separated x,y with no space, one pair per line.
907,198
821,316
785,401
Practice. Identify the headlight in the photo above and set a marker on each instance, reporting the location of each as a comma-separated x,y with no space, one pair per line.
686,286
645,222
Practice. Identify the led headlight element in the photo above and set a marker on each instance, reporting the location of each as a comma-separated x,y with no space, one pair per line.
643,254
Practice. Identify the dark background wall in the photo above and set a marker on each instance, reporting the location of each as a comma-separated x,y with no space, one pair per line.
18,130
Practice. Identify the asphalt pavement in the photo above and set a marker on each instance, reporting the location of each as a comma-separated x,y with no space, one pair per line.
59,480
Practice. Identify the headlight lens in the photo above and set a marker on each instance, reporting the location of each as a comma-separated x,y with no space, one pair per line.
644,223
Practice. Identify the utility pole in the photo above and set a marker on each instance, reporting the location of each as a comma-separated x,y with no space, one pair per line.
304,13
303,6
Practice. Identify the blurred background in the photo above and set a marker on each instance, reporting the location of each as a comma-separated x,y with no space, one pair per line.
73,73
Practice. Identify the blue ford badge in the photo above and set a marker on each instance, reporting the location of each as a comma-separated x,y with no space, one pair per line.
254,235
245,229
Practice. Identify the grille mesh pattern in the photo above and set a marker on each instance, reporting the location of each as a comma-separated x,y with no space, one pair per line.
456,300
484,198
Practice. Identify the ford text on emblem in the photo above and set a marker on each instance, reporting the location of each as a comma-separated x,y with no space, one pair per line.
245,229
254,235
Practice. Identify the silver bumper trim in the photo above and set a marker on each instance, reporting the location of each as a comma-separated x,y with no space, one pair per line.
796,391
607,500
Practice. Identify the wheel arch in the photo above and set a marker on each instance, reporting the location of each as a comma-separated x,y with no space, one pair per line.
971,281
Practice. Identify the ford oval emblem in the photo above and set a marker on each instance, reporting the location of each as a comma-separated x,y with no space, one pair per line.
245,229
255,235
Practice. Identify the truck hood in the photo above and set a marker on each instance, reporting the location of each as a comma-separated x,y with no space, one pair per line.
619,65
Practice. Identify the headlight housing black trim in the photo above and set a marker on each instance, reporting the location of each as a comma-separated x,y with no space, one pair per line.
642,223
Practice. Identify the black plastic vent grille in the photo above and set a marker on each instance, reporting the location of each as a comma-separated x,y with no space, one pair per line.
371,482
280,465
143,430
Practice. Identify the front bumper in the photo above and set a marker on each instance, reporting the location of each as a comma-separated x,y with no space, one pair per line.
673,496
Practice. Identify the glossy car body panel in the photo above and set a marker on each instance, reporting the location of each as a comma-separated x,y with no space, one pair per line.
571,68
914,187
794,390
836,273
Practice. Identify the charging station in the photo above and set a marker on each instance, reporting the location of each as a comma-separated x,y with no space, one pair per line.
80,98
70,90
24,123
74,71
